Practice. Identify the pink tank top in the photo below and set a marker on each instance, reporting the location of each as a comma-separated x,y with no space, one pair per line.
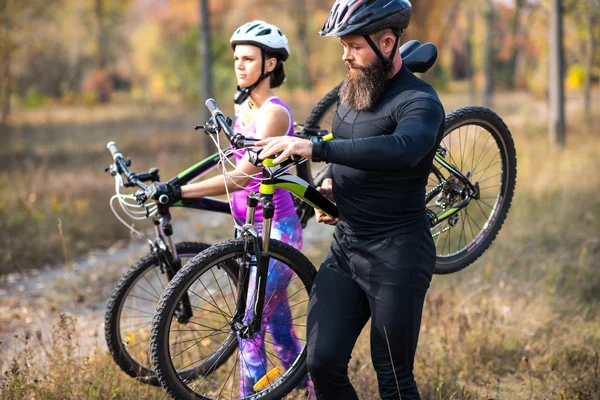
284,204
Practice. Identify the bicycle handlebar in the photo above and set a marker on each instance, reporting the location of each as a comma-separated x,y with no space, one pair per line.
132,178
114,150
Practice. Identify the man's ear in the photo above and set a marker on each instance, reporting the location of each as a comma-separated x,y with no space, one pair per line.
388,41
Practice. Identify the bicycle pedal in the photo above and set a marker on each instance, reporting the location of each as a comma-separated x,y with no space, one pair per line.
266,379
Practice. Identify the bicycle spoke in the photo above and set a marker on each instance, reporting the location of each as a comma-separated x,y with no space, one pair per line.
143,298
152,286
487,179
484,202
208,302
221,290
158,277
469,222
138,310
488,166
484,154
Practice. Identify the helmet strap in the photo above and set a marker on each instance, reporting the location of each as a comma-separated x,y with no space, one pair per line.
243,93
378,53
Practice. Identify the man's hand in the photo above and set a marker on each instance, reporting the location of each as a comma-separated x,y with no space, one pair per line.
285,145
163,193
326,189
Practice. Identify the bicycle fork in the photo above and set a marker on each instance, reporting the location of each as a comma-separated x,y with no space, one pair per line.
172,262
262,257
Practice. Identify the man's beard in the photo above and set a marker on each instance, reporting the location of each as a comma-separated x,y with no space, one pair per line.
363,86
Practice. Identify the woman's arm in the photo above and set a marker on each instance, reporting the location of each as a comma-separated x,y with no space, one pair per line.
274,121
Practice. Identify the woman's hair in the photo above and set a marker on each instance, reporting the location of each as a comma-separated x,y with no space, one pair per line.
278,75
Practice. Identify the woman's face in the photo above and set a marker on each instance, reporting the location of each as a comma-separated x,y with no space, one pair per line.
248,62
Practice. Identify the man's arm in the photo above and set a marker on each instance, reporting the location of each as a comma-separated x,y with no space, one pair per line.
413,139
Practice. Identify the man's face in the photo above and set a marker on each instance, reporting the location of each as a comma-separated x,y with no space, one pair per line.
366,76
357,52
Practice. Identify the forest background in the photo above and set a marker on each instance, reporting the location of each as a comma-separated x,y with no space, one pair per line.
75,74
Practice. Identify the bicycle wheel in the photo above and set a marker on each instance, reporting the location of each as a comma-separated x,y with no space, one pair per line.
279,354
321,117
478,144
131,307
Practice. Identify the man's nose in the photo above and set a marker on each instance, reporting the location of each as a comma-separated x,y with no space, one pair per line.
347,55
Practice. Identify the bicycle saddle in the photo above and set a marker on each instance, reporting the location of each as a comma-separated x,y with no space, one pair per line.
418,57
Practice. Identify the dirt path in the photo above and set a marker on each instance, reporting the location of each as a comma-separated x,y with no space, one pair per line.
34,300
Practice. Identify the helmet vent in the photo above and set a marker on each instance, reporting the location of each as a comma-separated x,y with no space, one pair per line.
264,32
252,27
342,14
280,34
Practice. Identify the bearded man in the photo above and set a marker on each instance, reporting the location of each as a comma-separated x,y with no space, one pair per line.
387,127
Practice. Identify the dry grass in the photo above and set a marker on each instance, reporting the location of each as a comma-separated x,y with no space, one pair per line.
521,323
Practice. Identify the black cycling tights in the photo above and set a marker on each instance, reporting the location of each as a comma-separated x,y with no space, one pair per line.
383,279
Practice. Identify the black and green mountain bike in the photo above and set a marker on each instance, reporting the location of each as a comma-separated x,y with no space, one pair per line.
195,358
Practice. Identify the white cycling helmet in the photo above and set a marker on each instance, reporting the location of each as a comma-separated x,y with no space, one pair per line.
263,35
269,39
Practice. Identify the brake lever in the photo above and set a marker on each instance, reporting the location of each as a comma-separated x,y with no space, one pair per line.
140,197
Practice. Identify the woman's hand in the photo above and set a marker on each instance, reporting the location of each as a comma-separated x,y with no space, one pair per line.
326,189
286,145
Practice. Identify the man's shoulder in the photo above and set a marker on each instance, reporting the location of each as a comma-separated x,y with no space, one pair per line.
409,88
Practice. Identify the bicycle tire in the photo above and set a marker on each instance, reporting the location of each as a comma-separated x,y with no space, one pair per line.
320,117
121,352
183,282
483,119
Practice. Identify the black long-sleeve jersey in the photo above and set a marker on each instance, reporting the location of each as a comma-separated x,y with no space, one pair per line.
381,159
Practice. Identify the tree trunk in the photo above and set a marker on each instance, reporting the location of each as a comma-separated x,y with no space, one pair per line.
5,88
515,34
488,69
101,39
206,84
469,55
556,113
303,57
591,48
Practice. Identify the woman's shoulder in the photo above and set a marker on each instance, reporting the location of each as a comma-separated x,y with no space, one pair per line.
274,107
276,114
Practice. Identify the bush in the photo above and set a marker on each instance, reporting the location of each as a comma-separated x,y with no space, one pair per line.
99,83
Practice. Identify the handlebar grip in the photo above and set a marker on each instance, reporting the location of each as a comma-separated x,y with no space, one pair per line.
211,104
114,150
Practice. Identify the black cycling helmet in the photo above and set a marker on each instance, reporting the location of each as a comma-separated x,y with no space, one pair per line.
364,17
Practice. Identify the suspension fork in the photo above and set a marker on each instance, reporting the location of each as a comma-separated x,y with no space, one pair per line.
261,250
172,261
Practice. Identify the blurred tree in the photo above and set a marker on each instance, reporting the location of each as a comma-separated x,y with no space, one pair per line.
15,15
205,47
515,36
108,15
489,53
556,114
301,15
592,9
469,53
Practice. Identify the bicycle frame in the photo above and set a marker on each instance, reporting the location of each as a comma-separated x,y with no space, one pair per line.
473,190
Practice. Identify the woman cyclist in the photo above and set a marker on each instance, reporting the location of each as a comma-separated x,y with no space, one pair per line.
259,52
